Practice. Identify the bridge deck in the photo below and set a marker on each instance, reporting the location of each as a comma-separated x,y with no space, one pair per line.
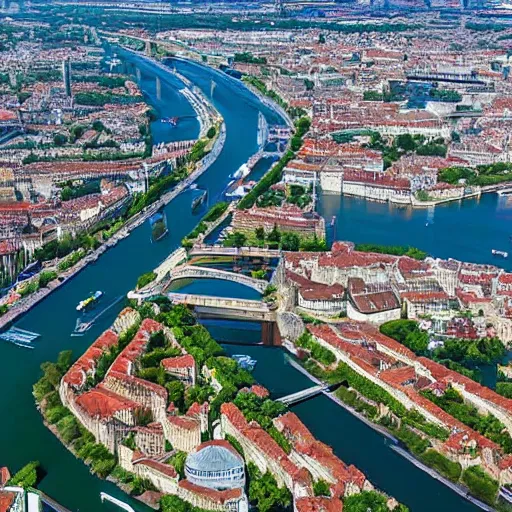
218,250
302,395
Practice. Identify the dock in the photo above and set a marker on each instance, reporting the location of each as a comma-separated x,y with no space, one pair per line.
121,504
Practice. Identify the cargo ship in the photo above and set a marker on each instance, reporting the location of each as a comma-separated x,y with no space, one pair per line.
83,304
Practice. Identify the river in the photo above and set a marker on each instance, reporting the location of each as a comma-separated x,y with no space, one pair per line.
24,436
68,480
466,230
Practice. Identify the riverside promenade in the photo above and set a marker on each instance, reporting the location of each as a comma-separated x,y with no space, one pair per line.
26,304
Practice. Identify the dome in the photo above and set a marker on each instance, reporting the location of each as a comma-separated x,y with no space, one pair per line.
215,464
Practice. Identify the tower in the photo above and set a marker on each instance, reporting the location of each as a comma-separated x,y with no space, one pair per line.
66,76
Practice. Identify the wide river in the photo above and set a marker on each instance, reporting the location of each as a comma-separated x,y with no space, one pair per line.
68,480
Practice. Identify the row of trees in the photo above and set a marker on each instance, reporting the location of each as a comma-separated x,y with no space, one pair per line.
396,250
454,353
482,175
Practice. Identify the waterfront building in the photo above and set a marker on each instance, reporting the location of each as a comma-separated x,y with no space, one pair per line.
215,464
261,449
184,433
319,460
182,367
374,303
230,500
422,303
12,499
318,504
150,439
311,296
288,218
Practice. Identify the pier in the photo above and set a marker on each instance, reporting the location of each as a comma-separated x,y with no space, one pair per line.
19,337
50,502
121,504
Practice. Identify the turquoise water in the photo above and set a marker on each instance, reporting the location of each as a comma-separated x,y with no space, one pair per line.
467,230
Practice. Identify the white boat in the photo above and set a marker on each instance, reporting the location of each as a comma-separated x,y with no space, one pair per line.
241,172
245,361
503,254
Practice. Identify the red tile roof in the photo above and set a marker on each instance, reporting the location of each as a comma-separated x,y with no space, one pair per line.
103,403
441,373
165,469
318,505
136,347
183,422
305,443
76,375
6,500
179,362
211,494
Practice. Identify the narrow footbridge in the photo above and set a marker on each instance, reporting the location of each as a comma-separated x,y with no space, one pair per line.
303,395
222,307
194,272
219,250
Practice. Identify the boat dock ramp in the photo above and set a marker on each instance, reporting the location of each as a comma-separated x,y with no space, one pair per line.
19,337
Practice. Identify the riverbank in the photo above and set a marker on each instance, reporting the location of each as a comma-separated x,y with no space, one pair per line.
68,480
459,489
25,305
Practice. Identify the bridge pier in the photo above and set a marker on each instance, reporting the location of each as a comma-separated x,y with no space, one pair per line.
270,335
148,49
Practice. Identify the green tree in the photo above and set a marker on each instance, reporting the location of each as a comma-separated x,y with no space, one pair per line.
239,239
27,476
408,333
364,502
481,484
145,279
260,233
59,139
274,235
290,242
211,132
264,493
321,488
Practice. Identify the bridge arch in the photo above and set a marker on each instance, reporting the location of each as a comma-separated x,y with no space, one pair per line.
194,272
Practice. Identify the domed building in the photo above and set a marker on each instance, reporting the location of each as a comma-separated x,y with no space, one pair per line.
217,465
